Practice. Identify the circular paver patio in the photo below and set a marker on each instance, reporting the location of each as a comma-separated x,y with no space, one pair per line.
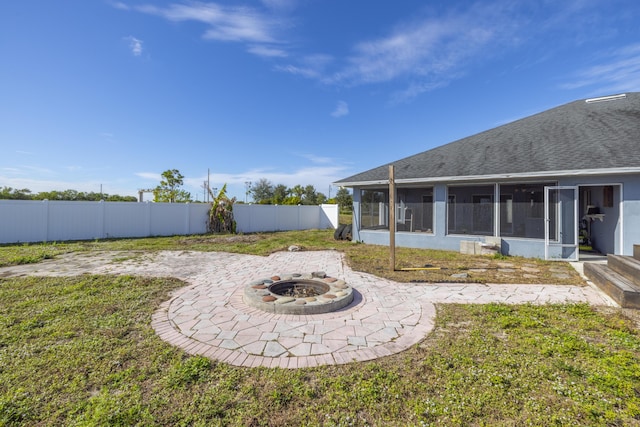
210,317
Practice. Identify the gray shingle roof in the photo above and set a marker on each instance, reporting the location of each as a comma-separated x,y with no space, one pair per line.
575,136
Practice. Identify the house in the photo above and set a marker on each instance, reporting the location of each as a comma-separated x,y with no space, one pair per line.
540,186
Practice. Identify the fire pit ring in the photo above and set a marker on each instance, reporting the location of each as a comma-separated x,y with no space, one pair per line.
299,288
296,293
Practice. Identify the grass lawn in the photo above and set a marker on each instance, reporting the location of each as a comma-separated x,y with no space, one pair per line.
80,351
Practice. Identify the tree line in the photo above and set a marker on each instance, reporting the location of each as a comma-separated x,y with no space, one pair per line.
262,192
265,192
26,194
170,190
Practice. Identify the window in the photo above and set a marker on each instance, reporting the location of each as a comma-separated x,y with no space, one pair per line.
522,210
470,210
374,209
414,210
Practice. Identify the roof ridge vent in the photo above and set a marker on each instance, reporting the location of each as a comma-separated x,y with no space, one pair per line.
606,98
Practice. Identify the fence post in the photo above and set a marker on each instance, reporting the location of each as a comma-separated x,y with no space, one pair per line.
187,222
148,219
46,220
102,206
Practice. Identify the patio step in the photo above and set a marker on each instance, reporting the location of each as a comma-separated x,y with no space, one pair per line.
618,286
626,266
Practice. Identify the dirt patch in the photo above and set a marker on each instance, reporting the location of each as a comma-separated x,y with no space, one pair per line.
242,238
629,313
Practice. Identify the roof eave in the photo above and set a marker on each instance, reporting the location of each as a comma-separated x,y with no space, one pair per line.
493,177
361,183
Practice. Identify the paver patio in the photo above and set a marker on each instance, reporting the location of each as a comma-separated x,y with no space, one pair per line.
209,317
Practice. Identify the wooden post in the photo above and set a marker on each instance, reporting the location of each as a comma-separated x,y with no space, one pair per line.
392,219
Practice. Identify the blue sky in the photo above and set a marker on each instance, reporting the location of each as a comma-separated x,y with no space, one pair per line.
109,94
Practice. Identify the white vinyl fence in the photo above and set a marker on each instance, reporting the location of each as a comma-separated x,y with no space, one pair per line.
56,221
255,218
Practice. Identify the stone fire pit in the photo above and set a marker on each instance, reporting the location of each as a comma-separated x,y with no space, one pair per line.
297,293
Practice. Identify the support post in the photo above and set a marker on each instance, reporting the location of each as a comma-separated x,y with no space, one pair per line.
392,219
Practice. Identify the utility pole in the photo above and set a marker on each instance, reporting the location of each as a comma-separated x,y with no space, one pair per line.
247,185
392,218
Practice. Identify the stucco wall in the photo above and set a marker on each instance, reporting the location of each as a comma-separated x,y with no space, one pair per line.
631,215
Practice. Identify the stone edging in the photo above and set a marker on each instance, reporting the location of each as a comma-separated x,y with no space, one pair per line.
260,294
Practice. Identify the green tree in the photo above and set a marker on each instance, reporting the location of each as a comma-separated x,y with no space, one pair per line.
49,195
309,196
344,200
70,195
15,194
118,198
321,198
262,191
26,194
280,194
298,191
169,189
265,192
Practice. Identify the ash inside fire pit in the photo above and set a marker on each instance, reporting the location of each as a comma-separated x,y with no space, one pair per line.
298,293
299,288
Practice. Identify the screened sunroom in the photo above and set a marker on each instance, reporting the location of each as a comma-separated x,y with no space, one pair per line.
514,210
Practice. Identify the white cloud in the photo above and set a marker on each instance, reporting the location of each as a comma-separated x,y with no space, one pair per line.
429,49
618,71
119,5
299,71
29,171
266,51
12,171
416,88
341,110
310,66
149,175
313,158
280,4
135,45
433,49
235,24
225,23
